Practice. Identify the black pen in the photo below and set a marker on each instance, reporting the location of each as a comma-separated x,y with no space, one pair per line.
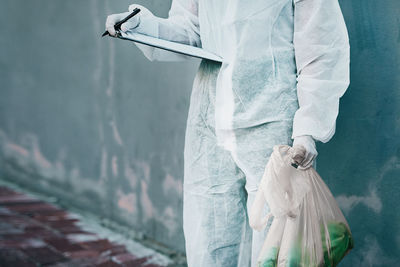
117,25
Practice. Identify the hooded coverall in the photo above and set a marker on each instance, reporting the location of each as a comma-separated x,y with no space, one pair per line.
285,67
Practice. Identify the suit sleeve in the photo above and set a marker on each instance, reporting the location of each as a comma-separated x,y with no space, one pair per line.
182,25
322,54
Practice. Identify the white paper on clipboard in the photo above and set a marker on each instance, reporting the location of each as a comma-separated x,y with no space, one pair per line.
169,46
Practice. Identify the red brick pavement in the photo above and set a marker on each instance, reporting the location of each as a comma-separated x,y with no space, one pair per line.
36,233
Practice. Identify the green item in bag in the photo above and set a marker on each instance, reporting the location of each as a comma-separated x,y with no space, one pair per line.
270,259
341,243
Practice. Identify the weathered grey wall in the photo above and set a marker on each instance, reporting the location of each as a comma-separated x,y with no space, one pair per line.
94,123
89,119
361,164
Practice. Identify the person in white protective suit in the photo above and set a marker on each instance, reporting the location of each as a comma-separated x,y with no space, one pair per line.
285,67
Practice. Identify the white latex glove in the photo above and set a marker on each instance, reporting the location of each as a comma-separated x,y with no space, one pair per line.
114,18
134,22
143,22
304,151
131,24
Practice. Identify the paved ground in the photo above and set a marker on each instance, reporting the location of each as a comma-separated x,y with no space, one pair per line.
36,233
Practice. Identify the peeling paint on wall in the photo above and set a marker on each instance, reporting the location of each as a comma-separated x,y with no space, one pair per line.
172,184
127,202
147,205
372,201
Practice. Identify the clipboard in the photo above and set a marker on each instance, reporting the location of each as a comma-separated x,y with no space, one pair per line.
175,47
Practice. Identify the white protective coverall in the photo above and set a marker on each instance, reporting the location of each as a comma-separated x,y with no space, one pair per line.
285,66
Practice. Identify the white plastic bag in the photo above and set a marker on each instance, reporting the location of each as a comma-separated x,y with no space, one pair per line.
308,228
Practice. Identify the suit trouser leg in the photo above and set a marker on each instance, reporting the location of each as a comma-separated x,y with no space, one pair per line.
253,148
215,220
220,184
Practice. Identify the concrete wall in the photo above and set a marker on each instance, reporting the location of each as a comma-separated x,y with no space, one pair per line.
92,122
361,164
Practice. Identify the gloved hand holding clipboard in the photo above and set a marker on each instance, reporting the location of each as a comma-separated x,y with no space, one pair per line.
176,47
117,26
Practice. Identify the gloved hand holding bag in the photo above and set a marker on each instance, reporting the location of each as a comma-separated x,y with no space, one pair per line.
308,228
